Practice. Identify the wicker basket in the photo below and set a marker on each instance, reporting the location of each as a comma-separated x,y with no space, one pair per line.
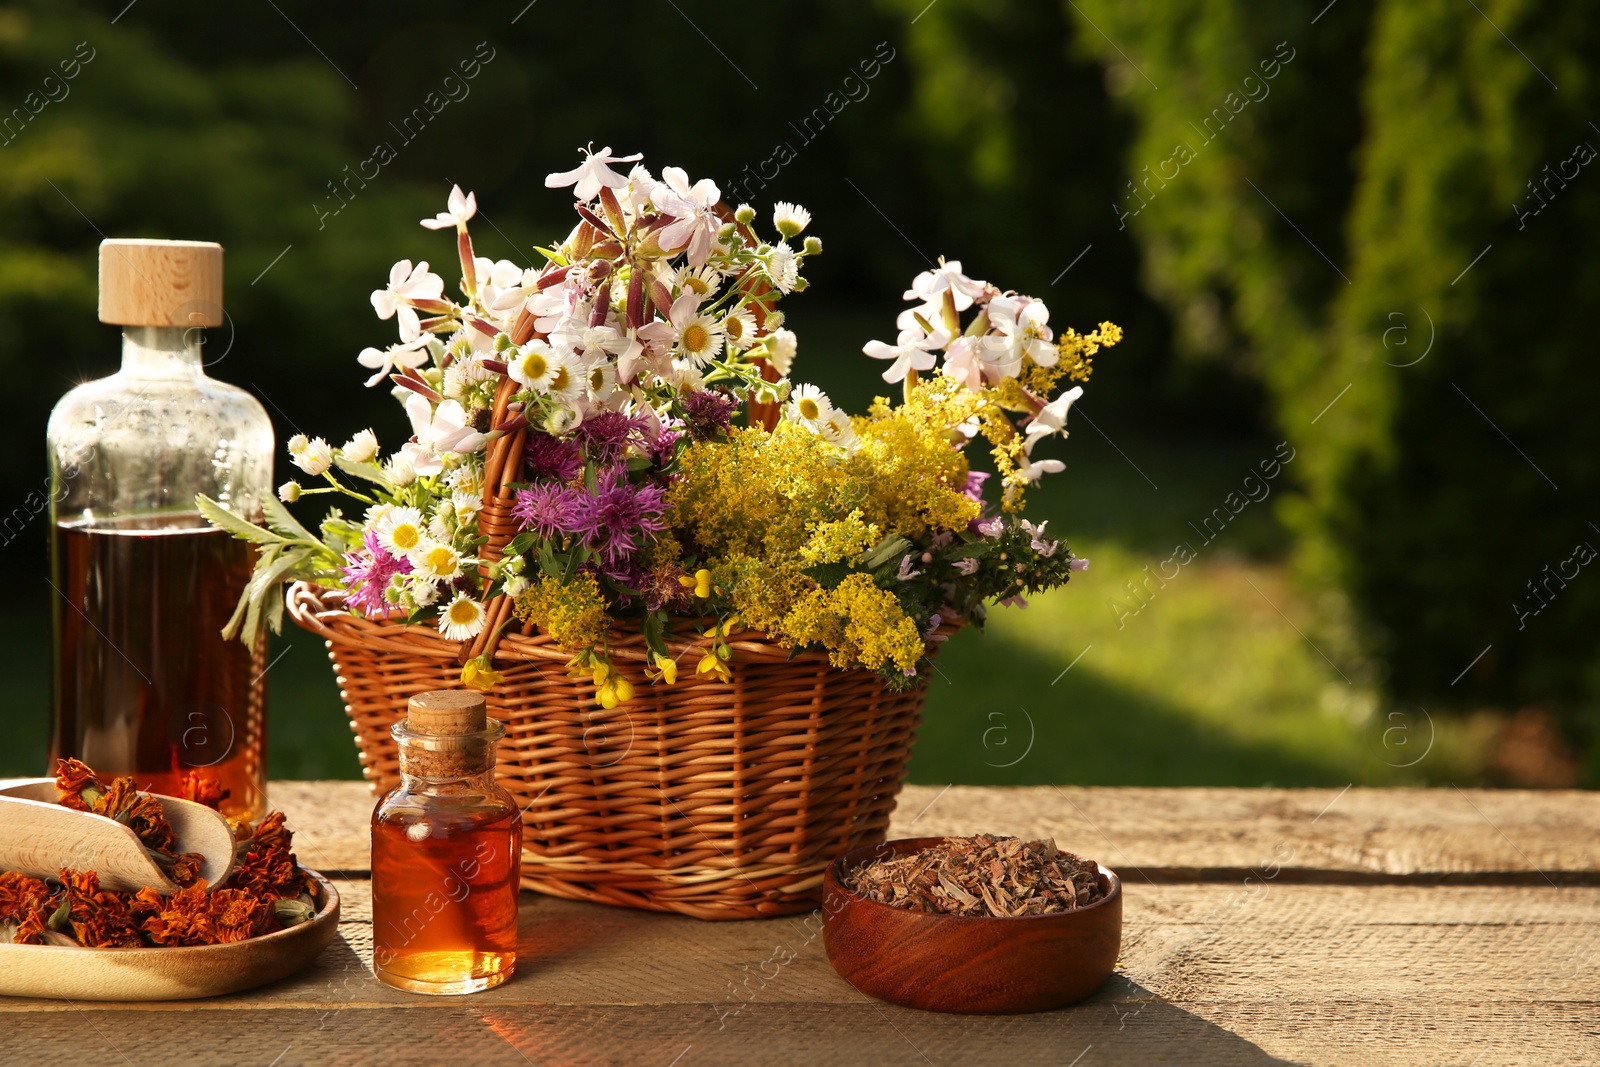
721,800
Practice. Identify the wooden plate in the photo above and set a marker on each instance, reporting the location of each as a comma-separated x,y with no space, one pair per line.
181,973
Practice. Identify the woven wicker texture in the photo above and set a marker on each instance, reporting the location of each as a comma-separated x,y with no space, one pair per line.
721,800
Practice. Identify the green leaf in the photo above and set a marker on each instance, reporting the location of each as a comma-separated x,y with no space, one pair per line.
223,519
280,520
969,551
520,544
275,565
884,550
368,472
829,575
655,632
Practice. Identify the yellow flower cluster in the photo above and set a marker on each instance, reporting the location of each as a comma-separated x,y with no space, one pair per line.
763,507
572,612
1075,358
761,592
834,541
857,623
766,495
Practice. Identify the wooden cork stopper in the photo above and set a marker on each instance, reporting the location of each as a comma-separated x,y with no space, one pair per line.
447,734
447,711
160,283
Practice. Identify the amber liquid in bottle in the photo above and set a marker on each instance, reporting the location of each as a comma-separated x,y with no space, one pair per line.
446,862
144,682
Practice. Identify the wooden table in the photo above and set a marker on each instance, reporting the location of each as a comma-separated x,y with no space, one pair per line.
1362,926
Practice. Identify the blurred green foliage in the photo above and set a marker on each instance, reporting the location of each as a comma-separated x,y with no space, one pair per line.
1277,203
1328,236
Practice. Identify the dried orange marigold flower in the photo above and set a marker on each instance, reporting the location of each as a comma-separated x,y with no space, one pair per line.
202,789
72,779
99,918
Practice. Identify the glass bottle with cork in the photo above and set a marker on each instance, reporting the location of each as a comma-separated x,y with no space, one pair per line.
446,853
143,682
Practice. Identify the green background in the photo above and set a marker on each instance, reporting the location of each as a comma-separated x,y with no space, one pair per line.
1304,274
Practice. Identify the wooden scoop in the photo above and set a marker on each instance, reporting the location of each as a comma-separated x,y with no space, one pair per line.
38,837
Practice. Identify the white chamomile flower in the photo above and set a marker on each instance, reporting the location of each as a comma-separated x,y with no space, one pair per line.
438,528
740,328
566,378
315,457
362,448
790,219
434,561
782,267
533,365
400,471
467,505
700,337
810,406
781,350
289,492
462,375
559,421
837,429
517,585
298,445
423,593
701,281
465,479
600,380
685,377
400,532
374,515
462,619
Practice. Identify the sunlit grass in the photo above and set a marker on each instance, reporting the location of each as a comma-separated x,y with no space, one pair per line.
1207,684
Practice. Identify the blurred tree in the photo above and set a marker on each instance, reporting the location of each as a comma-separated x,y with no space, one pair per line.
1460,506
976,128
1321,224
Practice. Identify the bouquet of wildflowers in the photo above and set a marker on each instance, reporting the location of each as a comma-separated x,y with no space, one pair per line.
667,466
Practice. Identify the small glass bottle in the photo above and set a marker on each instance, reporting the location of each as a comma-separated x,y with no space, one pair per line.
143,682
446,854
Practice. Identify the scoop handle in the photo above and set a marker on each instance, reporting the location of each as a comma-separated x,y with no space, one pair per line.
38,837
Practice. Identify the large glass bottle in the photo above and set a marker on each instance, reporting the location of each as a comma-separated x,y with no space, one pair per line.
446,854
143,683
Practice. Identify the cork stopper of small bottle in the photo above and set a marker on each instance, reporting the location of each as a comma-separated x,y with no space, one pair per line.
160,283
447,734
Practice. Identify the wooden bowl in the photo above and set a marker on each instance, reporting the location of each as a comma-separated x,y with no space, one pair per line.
975,965
63,972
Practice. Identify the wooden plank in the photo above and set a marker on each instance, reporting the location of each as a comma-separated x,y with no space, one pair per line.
1210,974
331,822
1092,1035
1177,834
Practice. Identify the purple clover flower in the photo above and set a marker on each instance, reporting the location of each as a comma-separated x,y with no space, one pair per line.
616,518
605,436
367,575
550,457
706,413
550,509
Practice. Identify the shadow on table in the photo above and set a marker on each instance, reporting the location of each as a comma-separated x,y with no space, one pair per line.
1125,1023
